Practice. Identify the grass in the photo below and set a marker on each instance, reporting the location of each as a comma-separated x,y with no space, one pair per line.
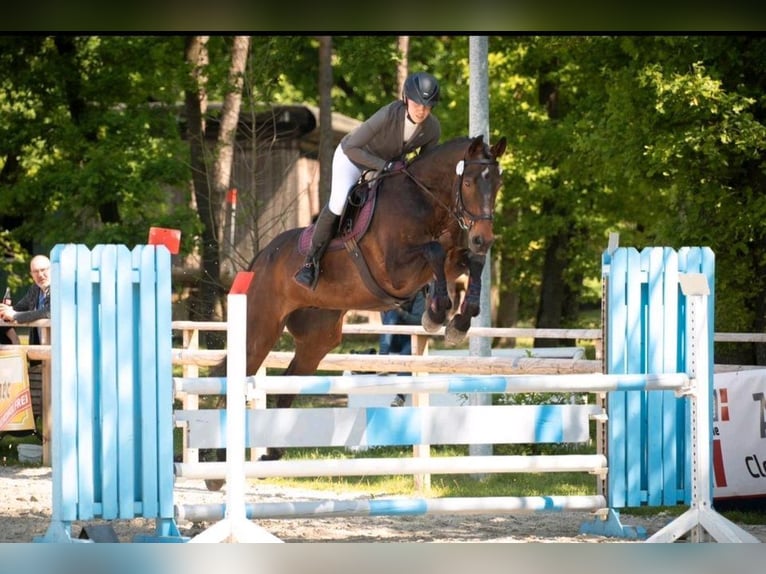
442,485
9,442
9,455
451,485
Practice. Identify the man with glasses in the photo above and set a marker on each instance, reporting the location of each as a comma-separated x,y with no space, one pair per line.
36,302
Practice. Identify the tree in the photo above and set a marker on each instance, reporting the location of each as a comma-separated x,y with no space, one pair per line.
682,131
90,140
326,149
211,182
659,138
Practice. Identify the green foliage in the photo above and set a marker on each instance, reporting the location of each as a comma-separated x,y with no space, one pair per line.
659,138
95,142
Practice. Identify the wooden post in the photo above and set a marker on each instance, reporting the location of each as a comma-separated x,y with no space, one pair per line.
47,425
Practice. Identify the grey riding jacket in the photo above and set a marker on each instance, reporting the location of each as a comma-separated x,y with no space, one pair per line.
379,139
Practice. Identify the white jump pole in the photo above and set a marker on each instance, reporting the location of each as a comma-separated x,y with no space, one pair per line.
403,507
593,463
701,517
381,384
235,526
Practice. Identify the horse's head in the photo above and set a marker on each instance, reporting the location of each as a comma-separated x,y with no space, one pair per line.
476,185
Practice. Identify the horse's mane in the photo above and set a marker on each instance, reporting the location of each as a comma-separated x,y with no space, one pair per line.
444,147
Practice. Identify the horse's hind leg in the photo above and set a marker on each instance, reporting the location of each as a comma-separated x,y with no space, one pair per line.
460,323
316,332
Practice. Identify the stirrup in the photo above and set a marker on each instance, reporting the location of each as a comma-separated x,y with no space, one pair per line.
307,275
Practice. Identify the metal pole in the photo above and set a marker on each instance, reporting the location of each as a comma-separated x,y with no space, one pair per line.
478,124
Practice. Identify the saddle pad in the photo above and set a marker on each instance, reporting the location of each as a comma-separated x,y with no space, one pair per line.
361,223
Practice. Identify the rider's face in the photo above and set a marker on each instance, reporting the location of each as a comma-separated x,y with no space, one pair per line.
417,112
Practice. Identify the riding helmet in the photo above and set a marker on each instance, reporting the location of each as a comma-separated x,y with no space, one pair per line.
422,87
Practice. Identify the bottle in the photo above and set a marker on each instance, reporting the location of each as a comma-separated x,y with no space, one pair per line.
7,296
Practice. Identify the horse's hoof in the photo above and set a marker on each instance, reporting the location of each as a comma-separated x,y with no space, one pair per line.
214,484
272,454
452,335
429,325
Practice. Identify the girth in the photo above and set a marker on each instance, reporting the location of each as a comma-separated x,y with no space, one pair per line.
354,223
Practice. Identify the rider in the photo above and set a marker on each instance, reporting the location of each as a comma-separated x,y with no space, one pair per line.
381,143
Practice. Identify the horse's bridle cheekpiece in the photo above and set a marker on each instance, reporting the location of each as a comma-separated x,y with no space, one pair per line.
462,213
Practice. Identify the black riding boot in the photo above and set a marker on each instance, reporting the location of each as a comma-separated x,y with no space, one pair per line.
308,274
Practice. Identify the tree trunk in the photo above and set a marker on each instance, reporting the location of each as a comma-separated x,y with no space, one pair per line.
213,291
196,107
403,44
224,155
507,301
553,293
326,148
210,186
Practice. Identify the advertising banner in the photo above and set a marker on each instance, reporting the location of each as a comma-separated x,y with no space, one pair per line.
739,434
15,397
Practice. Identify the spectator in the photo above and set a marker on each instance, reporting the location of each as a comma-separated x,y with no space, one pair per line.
36,302
409,313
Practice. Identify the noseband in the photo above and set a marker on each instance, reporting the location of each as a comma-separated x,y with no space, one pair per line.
465,218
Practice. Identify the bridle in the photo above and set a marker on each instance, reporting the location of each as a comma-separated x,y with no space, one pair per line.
465,218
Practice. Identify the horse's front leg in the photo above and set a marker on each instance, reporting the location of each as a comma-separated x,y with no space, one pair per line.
438,300
461,322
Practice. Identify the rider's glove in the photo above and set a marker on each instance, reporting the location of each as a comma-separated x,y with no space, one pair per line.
394,166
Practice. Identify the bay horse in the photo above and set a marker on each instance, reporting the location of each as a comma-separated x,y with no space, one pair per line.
431,222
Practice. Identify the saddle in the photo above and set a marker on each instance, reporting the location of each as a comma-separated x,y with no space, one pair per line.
353,222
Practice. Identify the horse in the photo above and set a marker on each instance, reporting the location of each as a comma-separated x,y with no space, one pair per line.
432,222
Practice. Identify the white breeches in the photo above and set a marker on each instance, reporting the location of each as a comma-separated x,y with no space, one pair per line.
344,175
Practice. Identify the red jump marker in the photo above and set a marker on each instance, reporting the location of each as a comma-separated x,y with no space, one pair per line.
241,283
170,238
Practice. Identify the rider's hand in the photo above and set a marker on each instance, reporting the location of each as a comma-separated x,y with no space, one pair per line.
7,313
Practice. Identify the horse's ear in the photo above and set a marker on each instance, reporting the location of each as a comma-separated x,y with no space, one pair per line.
499,148
477,144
